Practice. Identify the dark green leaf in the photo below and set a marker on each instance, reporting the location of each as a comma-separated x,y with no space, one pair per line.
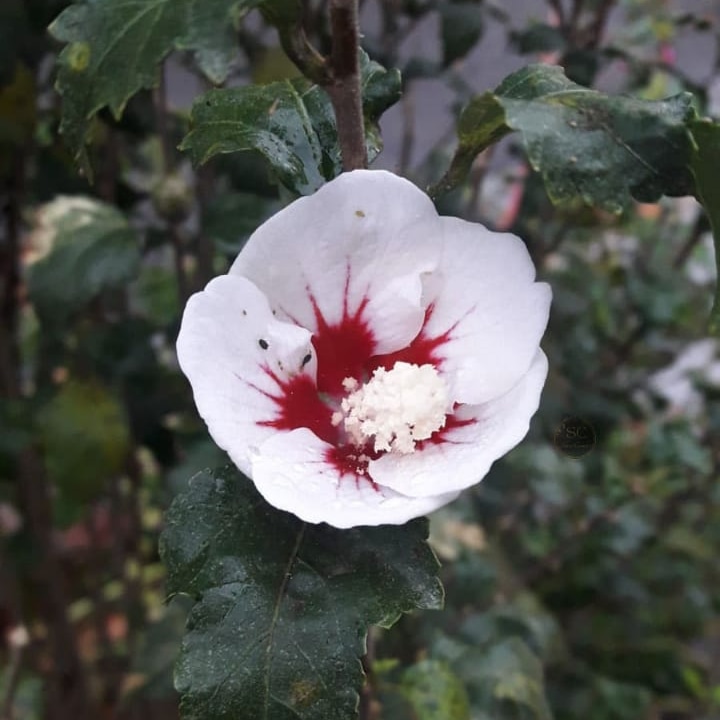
585,144
230,218
114,48
505,681
435,692
539,37
92,248
17,110
705,164
283,607
155,652
461,25
156,296
290,123
14,27
211,31
27,700
85,436
381,88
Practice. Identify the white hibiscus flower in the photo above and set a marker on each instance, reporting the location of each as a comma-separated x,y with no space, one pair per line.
365,360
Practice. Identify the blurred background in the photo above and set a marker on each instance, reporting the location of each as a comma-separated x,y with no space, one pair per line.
582,576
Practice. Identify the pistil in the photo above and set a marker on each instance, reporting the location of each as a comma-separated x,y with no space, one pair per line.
396,408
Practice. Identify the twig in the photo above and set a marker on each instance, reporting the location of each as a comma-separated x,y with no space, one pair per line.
166,145
10,281
338,74
68,683
478,173
367,710
206,246
129,511
344,87
689,245
18,639
557,6
407,106
596,30
577,9
300,50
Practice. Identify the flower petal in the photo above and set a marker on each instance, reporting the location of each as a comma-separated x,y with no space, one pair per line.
359,244
468,451
293,473
236,355
485,301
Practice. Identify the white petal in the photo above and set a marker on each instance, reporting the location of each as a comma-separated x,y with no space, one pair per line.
230,347
292,472
484,296
469,451
361,241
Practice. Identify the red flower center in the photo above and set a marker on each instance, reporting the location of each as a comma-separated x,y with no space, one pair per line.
346,349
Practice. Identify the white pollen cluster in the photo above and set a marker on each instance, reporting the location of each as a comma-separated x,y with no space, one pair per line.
396,407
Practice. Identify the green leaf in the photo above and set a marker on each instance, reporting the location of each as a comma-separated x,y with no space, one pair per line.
17,110
435,692
27,699
155,295
85,435
381,89
290,123
89,246
211,31
461,25
704,164
585,144
505,681
114,48
283,607
539,37
14,29
230,218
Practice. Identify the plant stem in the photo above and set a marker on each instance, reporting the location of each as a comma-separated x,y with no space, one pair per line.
205,243
12,681
166,145
344,86
367,709
67,684
10,281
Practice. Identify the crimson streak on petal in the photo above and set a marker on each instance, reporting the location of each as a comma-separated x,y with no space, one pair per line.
423,350
343,349
299,405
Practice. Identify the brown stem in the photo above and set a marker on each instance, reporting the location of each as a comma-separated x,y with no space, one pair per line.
367,709
577,10
344,87
689,245
300,50
126,523
15,661
557,6
596,31
478,173
206,244
167,158
68,686
108,680
10,280
408,138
